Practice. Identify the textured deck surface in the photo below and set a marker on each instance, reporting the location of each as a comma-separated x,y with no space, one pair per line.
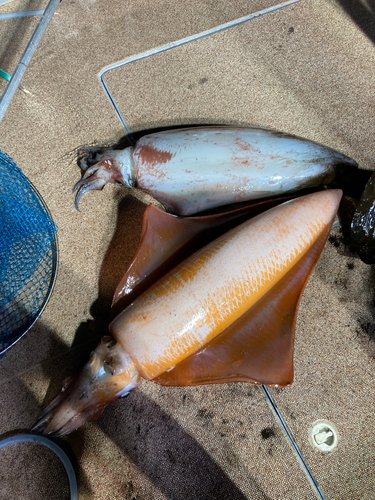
307,70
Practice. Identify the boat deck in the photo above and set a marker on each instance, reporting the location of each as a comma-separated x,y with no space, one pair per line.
307,69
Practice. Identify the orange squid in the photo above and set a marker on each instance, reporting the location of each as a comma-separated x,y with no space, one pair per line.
224,313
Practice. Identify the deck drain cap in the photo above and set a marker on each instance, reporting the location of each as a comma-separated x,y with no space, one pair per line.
324,436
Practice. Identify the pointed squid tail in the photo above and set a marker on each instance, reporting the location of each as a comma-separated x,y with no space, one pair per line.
109,375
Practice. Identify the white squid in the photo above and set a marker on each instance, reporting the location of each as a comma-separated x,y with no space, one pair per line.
194,169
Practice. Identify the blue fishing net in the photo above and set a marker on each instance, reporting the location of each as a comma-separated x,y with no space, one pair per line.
28,253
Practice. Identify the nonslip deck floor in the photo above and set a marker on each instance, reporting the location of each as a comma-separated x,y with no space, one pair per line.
305,70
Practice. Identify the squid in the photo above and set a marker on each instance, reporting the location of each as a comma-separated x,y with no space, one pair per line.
224,313
192,170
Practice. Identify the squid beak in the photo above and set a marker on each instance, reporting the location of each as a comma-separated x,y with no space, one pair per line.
109,374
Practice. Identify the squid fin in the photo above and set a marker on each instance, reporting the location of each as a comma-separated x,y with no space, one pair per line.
167,240
258,347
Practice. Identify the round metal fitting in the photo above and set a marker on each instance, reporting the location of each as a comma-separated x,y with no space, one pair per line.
324,436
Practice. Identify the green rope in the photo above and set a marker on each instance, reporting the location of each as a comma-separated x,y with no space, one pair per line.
5,75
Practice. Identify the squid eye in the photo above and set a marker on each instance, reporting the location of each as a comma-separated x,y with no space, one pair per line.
119,183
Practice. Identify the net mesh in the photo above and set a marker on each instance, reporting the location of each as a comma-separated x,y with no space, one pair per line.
28,253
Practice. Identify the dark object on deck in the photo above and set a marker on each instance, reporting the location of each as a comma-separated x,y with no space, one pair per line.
362,233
